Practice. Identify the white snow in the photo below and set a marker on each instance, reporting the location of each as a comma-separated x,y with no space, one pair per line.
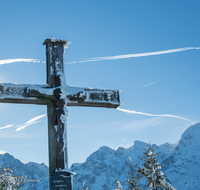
2,152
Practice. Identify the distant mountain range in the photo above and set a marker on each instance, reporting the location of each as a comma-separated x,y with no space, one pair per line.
103,167
37,174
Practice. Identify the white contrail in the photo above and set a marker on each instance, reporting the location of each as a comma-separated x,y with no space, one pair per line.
154,115
7,61
134,55
7,126
30,122
150,84
36,118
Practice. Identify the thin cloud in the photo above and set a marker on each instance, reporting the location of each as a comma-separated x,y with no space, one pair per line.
7,126
150,84
153,115
136,125
30,122
10,135
8,61
134,55
140,124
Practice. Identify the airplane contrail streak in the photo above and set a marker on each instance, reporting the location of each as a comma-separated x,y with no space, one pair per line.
7,61
134,55
150,84
30,122
153,115
7,126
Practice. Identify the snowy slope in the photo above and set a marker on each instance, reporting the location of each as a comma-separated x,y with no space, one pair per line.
183,165
103,167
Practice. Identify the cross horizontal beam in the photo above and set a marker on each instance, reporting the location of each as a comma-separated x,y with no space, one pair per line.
75,96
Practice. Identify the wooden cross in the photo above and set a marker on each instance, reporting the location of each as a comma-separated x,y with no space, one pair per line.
57,95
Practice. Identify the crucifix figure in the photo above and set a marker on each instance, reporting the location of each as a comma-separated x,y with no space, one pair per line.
57,95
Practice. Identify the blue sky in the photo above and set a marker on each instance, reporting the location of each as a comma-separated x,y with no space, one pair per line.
154,84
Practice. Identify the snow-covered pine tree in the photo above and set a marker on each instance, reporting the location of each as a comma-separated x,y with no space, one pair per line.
84,187
118,184
151,170
9,181
133,177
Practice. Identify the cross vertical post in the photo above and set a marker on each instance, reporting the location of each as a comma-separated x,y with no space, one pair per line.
57,113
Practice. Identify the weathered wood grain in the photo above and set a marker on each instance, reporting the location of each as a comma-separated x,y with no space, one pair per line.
26,94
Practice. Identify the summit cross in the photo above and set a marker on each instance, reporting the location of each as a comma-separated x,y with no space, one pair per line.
57,95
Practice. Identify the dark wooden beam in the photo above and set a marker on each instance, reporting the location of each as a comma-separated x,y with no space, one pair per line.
94,97
25,93
76,96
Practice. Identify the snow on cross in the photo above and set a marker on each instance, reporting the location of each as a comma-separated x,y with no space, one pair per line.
57,95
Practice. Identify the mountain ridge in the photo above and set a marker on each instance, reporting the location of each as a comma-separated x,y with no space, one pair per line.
104,166
37,174
181,162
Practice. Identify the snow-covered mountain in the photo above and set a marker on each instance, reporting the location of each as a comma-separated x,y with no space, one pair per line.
37,174
106,165
182,163
103,167
182,166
